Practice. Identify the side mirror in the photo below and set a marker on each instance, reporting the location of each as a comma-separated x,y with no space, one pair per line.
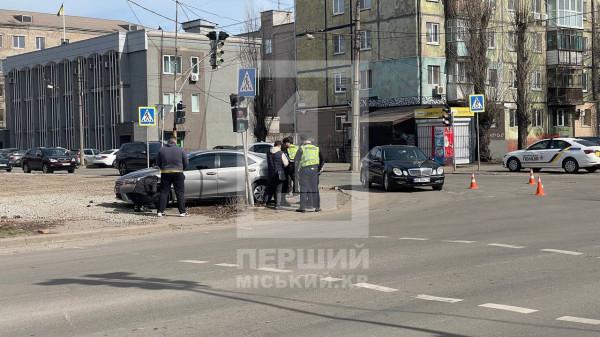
39,155
143,152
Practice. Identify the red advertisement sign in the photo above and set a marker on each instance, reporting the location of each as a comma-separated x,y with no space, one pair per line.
448,145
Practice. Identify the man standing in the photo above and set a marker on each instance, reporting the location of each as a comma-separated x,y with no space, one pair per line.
276,162
290,150
172,160
309,162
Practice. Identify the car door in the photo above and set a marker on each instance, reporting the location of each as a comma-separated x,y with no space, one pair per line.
537,155
231,177
137,156
557,151
201,177
377,166
36,163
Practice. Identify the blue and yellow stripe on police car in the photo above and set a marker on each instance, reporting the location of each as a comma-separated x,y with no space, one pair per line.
558,155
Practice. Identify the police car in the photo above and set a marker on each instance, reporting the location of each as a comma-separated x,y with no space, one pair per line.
569,153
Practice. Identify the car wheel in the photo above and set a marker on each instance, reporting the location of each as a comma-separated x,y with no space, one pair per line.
258,191
537,169
71,170
570,165
437,187
364,180
386,182
113,163
46,169
122,168
8,170
514,165
591,169
26,168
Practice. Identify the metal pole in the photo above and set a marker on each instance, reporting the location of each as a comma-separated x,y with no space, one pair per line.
162,134
355,163
175,73
249,194
80,113
453,141
148,146
478,160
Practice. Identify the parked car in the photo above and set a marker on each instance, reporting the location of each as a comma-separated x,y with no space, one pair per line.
106,158
48,160
8,150
5,164
88,155
569,153
591,139
396,166
15,157
261,147
211,174
132,156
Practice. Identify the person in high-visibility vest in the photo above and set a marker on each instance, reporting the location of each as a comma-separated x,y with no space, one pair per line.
292,180
309,162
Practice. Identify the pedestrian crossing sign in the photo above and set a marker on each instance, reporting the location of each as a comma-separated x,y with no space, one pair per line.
247,82
147,116
476,103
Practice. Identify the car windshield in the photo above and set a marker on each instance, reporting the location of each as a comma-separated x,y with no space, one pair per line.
107,152
2,156
586,142
403,154
53,152
154,147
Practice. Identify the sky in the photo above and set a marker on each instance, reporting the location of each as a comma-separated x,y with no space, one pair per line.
228,14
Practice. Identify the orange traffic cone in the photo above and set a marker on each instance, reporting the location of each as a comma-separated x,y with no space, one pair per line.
473,183
531,178
540,189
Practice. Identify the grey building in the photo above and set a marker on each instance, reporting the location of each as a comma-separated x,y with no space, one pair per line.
121,72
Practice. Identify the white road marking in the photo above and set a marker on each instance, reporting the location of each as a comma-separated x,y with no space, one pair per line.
375,287
458,241
275,270
231,265
579,320
568,252
380,236
194,261
249,228
416,239
507,308
330,279
439,299
504,245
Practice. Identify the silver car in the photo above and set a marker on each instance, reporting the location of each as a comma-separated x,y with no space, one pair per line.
211,174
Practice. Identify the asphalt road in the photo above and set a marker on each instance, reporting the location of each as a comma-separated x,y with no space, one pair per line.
497,261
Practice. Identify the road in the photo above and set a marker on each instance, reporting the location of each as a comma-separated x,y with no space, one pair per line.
497,261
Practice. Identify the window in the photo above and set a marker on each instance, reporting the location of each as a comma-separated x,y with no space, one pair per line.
491,39
19,42
586,119
195,103
231,160
195,65
559,144
536,80
340,118
366,81
538,116
40,43
64,41
585,12
492,77
202,162
537,42
456,30
338,7
560,118
169,64
433,75
570,13
584,82
339,82
339,44
457,72
539,145
512,4
513,79
512,116
536,6
433,33
168,99
268,46
365,40
511,41
365,4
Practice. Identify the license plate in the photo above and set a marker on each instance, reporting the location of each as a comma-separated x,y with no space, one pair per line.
66,164
2,165
421,180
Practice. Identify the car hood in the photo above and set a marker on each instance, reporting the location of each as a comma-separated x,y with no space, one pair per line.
141,173
4,161
411,164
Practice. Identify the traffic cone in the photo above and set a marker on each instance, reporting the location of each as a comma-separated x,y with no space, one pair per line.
473,183
531,178
540,189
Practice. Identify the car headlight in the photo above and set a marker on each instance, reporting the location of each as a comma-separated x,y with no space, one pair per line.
397,171
405,173
131,180
72,159
440,170
53,160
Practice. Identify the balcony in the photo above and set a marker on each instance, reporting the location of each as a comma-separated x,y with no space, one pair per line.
564,58
458,92
565,96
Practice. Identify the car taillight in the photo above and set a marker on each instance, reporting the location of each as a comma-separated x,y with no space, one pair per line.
78,156
104,157
11,157
589,151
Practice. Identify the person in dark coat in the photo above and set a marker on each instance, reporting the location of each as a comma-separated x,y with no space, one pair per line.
292,180
145,193
277,161
172,160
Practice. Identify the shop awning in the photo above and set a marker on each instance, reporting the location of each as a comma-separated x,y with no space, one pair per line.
392,116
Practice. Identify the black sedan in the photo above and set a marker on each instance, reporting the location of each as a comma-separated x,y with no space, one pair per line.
5,164
48,160
396,166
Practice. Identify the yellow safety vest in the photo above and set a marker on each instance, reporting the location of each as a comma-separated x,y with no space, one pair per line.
310,155
292,151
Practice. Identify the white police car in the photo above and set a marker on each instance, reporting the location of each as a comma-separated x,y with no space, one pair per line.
569,153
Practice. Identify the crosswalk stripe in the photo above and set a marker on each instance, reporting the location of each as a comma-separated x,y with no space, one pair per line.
231,265
439,299
416,239
458,241
375,287
507,308
579,320
330,279
193,261
568,252
275,270
504,245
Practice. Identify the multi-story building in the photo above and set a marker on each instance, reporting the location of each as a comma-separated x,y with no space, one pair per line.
23,32
120,72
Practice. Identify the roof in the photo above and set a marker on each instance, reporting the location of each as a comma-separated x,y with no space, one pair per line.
392,115
9,18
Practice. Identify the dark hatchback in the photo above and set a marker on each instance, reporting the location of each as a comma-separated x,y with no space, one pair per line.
5,164
48,160
132,156
395,166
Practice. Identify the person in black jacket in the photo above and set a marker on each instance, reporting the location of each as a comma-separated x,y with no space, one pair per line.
277,161
145,193
172,161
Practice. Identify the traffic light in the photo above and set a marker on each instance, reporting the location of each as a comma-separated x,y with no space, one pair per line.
180,120
219,48
212,36
240,119
236,99
447,116
180,113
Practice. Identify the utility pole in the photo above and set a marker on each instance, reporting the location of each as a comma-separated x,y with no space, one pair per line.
355,164
175,72
80,112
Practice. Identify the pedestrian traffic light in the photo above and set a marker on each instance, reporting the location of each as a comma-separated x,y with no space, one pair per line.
240,119
180,120
236,99
179,111
447,116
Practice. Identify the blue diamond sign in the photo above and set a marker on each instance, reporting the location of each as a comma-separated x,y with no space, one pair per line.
476,103
147,116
